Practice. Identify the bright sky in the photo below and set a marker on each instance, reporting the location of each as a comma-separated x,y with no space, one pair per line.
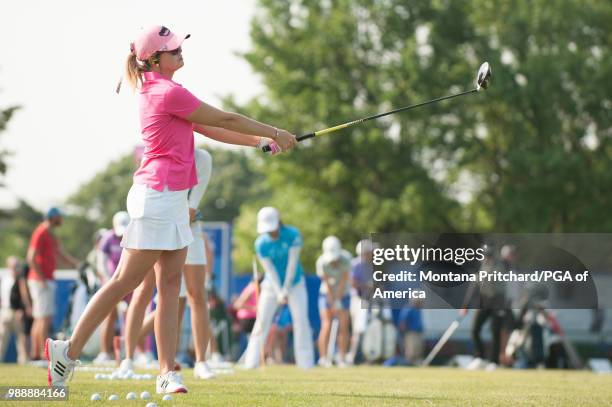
61,61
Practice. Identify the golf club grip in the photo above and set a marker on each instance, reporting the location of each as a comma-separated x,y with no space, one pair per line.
266,149
305,136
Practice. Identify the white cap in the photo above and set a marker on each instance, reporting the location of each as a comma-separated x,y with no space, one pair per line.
268,219
507,251
120,222
364,246
332,248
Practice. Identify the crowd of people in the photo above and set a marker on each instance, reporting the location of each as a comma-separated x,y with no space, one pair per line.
257,325
28,293
271,308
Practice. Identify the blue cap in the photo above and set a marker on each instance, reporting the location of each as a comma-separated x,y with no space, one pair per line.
53,212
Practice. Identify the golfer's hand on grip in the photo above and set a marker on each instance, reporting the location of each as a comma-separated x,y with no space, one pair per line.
285,140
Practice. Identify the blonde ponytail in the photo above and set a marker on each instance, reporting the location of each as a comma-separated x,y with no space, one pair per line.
133,71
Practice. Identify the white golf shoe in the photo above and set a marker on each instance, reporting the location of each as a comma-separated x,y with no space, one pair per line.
126,367
103,359
170,382
60,367
201,370
324,362
476,364
143,359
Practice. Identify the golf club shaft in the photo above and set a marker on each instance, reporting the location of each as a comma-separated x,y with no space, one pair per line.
333,336
376,116
442,341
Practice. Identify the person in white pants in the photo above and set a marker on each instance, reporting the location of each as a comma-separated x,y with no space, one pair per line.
278,250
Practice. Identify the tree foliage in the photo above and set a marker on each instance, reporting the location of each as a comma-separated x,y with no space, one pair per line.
5,116
529,154
17,228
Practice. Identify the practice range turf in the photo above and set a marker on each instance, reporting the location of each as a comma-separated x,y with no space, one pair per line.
364,385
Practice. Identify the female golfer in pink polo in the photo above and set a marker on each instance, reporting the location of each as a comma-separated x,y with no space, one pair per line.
159,232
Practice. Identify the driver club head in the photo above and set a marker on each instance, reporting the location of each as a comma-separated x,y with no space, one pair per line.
484,76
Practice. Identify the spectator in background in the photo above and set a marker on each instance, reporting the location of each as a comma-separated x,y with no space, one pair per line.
277,343
108,257
333,268
410,323
44,252
93,260
246,306
493,307
14,306
221,323
361,271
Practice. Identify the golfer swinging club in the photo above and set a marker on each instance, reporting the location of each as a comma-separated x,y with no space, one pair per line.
192,287
159,232
333,268
278,250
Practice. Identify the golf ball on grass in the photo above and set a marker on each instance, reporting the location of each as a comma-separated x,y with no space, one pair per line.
167,397
130,396
113,397
145,395
95,397
151,405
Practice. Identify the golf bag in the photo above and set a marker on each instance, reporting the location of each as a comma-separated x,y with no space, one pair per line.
81,292
380,337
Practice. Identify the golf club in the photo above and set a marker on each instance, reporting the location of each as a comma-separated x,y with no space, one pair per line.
442,341
333,336
262,355
482,82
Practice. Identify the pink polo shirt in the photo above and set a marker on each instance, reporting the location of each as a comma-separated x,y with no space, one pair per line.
168,137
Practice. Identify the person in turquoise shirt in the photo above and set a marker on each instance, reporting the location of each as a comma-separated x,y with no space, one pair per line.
278,249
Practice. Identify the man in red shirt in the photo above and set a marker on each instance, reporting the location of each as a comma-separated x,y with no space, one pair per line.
43,253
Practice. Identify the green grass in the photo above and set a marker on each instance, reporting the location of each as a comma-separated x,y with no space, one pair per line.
359,386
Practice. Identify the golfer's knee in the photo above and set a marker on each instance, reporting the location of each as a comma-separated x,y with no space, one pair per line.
196,295
124,284
169,289
171,279
144,289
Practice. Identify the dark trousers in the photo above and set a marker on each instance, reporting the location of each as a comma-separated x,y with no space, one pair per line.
497,320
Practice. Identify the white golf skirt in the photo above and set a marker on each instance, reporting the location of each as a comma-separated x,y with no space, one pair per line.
158,220
196,252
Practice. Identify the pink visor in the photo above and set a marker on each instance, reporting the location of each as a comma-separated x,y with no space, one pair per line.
155,39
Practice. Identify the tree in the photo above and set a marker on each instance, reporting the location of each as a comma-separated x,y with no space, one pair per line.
530,154
236,178
5,116
17,229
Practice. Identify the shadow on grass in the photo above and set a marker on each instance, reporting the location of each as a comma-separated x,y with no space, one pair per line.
350,395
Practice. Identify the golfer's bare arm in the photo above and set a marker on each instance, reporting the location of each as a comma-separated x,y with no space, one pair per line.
342,285
239,303
227,136
241,127
25,296
66,258
330,291
31,259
